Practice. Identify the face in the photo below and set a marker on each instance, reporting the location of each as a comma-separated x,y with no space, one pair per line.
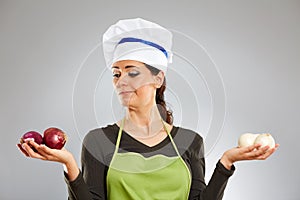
134,83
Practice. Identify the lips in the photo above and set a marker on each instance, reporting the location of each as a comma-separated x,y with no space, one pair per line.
125,92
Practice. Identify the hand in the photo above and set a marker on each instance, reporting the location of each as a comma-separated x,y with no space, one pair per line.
45,153
253,152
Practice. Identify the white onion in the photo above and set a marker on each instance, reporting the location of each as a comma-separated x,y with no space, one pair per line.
247,139
265,139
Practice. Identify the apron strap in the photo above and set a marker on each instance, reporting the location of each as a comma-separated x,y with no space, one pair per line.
119,136
172,141
175,147
165,127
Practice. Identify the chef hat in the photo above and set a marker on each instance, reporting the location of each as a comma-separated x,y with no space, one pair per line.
140,40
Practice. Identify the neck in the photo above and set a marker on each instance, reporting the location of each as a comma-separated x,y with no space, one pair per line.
144,122
143,117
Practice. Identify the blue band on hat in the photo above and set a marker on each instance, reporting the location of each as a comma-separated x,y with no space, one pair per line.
131,39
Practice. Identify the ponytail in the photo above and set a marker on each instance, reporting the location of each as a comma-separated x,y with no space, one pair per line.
166,114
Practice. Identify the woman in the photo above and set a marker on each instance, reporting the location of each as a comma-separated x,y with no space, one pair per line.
143,156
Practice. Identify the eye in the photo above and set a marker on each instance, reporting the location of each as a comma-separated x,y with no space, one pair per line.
133,73
116,74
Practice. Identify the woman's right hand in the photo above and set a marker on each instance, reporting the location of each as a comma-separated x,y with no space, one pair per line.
45,153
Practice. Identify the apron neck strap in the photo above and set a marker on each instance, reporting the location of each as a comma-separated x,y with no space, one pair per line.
169,134
165,127
119,135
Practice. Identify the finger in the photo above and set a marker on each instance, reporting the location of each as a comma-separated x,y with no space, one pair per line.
267,154
22,150
250,148
28,139
258,153
42,149
46,151
31,153
33,143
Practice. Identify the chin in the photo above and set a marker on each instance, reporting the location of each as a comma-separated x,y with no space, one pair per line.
128,104
125,103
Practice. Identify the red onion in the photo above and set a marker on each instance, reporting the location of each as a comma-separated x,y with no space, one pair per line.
54,138
32,135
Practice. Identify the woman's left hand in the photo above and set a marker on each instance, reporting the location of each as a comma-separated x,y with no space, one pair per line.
253,152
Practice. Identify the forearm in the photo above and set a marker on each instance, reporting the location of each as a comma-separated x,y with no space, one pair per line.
89,183
71,169
217,184
77,187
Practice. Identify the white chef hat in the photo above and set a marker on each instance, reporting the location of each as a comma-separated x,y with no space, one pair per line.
140,40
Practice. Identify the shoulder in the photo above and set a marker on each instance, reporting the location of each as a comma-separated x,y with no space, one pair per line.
188,139
100,142
101,134
188,134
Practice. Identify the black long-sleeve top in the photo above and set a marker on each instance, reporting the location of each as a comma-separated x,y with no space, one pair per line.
98,148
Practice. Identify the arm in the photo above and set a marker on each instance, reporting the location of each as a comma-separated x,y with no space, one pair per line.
224,168
91,182
253,152
84,185
217,184
61,156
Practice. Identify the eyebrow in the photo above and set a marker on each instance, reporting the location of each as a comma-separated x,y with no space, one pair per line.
126,67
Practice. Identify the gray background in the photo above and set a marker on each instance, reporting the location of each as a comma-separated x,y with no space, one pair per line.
255,45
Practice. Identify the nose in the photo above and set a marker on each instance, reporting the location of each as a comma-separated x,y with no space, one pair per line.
122,81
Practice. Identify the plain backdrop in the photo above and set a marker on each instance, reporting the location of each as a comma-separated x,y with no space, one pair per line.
50,75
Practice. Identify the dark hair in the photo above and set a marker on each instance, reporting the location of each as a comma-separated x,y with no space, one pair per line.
166,114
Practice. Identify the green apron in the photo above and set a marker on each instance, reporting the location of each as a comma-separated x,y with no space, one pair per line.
131,176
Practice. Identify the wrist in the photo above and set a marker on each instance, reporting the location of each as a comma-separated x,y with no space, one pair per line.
71,169
70,163
226,162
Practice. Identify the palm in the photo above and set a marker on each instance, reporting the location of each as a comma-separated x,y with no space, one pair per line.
253,152
45,153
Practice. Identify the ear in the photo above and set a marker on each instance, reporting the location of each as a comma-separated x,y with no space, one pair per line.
159,79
